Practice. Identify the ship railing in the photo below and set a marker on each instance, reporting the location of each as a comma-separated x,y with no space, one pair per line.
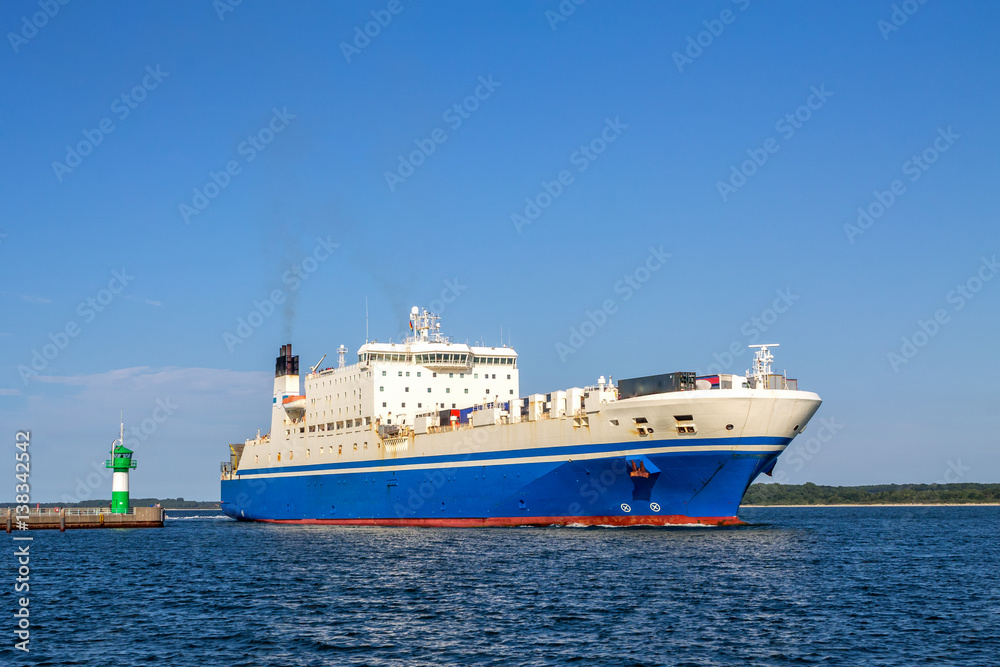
75,511
545,416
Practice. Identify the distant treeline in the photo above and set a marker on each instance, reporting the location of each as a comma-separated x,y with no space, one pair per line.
888,494
175,503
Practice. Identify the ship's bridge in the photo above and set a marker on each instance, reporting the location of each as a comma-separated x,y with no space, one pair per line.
429,348
437,356
443,356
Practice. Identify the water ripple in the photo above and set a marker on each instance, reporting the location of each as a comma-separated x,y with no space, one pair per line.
808,586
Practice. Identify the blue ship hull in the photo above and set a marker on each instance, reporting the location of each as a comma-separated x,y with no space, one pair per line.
625,487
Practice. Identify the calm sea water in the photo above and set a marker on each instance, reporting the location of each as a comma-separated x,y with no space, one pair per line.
886,586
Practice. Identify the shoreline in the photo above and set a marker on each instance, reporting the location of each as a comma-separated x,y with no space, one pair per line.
882,505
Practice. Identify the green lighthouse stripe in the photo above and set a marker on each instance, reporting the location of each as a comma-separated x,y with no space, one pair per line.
119,502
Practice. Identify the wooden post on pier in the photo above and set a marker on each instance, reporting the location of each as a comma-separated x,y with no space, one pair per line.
8,521
62,520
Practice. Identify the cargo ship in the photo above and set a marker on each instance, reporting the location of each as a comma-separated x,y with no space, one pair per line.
430,432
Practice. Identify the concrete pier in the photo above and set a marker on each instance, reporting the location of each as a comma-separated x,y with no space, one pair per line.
85,517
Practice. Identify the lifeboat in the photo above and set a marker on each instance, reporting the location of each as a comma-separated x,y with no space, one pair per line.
292,403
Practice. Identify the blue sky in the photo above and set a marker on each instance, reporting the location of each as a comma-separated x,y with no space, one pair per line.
249,141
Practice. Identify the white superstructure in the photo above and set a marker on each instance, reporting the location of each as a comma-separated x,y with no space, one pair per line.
398,395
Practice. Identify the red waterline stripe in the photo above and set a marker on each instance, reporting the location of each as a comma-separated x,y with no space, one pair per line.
647,520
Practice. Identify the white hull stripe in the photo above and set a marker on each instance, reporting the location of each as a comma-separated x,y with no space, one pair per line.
518,461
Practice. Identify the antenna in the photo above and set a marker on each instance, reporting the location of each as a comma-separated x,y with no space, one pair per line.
366,319
762,359
121,435
341,351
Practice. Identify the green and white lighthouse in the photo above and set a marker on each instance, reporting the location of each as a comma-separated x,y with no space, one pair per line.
121,461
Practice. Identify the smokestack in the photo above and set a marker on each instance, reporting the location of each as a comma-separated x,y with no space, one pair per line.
286,364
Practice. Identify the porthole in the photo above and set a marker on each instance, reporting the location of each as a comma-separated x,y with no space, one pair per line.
796,428
729,427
